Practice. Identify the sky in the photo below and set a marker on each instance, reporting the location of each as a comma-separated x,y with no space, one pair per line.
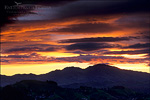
57,34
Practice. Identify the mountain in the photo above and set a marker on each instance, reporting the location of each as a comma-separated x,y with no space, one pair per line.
98,76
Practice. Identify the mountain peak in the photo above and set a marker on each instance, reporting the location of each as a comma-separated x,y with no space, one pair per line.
101,66
72,67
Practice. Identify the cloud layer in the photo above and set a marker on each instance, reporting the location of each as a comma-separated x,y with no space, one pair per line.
114,32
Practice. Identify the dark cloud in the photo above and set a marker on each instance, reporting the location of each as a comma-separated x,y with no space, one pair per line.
50,49
23,49
89,28
30,49
98,59
145,35
97,39
134,20
10,11
4,60
77,8
26,8
139,46
103,8
78,52
47,2
89,46
129,52
21,56
81,52
18,56
87,58
46,47
82,59
40,45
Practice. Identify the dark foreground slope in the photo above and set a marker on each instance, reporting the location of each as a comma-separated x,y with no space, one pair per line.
98,76
49,90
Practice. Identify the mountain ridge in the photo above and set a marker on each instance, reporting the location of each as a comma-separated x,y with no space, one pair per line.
99,76
75,68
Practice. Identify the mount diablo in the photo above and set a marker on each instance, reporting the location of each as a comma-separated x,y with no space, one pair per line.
98,76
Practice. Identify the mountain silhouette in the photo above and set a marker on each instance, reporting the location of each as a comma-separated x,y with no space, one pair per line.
49,90
97,76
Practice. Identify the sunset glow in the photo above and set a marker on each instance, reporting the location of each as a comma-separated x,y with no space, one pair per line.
63,36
